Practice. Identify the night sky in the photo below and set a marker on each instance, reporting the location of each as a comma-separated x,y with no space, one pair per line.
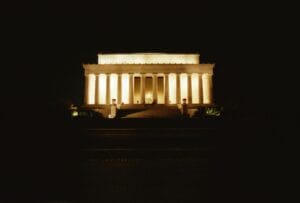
45,45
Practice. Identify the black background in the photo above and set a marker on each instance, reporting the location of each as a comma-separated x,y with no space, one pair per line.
44,45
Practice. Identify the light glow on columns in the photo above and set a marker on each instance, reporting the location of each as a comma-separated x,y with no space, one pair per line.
102,88
206,88
184,87
91,88
114,87
125,88
172,88
195,88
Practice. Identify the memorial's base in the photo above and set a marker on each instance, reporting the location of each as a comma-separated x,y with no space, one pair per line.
148,110
144,106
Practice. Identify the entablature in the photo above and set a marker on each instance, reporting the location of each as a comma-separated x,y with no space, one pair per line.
148,68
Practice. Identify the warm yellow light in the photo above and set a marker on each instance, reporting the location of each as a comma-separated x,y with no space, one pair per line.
148,98
206,82
102,89
91,88
114,87
195,88
148,89
125,88
172,88
183,87
75,113
148,58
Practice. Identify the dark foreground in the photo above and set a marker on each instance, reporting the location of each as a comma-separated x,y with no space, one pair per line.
146,161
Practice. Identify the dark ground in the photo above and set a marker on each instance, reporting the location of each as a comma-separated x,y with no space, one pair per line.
144,161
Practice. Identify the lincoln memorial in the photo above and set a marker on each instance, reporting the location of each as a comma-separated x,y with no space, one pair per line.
148,78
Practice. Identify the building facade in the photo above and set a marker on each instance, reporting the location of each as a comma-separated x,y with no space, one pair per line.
148,78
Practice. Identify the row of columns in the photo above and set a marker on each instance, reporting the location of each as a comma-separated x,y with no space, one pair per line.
205,95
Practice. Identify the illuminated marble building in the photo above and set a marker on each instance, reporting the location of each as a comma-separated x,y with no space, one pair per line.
148,78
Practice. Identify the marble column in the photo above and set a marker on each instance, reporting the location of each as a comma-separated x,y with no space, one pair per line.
97,94
108,89
189,88
166,89
207,88
130,88
143,88
178,95
210,82
200,88
90,89
155,88
119,89
86,89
